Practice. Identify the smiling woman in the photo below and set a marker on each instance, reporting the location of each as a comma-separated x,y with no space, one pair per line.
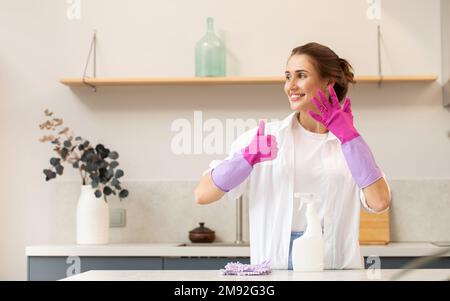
310,68
316,150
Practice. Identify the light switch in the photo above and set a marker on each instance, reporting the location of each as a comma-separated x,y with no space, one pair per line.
116,217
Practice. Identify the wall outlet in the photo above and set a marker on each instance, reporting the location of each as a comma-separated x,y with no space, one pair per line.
116,217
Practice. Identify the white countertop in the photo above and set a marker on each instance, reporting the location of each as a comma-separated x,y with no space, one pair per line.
276,275
139,249
403,249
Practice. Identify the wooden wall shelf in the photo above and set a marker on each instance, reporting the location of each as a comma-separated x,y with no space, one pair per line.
202,81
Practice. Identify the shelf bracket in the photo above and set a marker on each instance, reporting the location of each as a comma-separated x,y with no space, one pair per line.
92,50
379,55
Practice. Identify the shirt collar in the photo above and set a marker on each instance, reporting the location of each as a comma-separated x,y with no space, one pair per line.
288,123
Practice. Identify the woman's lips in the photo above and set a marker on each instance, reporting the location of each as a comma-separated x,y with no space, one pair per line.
297,97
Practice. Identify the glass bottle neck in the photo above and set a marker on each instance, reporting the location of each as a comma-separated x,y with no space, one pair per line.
210,25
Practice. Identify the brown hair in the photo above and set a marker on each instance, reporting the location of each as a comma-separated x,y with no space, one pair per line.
329,66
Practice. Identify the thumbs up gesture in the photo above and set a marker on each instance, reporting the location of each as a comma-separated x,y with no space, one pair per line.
262,147
230,173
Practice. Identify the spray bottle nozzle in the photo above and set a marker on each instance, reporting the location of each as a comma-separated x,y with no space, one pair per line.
306,198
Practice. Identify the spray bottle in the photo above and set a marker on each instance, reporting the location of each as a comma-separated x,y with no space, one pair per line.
307,250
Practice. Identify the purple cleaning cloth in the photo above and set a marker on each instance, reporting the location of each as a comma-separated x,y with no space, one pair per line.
241,269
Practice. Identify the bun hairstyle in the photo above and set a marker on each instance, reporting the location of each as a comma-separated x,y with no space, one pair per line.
329,66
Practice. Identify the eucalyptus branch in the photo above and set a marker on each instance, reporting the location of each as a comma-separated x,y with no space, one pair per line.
97,165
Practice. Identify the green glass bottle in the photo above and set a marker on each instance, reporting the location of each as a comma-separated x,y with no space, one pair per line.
209,53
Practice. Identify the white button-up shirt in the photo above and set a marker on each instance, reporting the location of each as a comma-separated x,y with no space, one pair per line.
270,192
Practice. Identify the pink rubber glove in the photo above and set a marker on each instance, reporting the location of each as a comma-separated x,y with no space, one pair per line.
339,121
261,148
230,173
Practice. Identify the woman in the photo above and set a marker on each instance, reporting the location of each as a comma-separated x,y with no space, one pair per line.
320,152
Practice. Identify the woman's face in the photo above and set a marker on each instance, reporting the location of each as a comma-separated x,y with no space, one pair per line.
302,83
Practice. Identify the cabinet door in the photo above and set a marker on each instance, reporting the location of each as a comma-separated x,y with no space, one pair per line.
401,262
199,263
55,268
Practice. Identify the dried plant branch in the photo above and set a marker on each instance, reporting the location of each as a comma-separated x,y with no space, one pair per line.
95,164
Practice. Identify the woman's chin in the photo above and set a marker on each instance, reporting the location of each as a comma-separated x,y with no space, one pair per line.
297,105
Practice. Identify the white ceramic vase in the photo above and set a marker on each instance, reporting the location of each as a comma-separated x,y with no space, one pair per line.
92,218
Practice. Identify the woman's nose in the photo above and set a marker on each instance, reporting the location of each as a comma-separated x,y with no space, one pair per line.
293,85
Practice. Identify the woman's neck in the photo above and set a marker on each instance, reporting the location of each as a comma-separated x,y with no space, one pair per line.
311,124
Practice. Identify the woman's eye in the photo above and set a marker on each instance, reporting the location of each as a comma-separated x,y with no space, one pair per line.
299,75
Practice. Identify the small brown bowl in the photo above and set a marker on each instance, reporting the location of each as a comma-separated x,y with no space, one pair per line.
202,234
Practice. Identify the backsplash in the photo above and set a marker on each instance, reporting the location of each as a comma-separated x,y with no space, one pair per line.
166,211
420,210
155,212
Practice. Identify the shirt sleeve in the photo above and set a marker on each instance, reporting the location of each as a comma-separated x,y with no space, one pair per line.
364,201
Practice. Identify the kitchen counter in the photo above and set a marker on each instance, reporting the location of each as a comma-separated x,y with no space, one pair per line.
276,275
403,249
53,262
140,249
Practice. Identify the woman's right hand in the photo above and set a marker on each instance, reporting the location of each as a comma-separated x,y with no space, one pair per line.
232,172
262,147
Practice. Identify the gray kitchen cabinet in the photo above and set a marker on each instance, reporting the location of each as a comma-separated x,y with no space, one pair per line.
45,268
201,263
401,262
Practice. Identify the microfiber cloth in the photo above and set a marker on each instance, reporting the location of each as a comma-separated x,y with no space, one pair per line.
240,269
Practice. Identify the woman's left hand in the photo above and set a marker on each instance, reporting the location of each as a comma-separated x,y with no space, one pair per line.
336,119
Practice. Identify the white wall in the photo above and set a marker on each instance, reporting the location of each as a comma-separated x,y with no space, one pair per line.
404,123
